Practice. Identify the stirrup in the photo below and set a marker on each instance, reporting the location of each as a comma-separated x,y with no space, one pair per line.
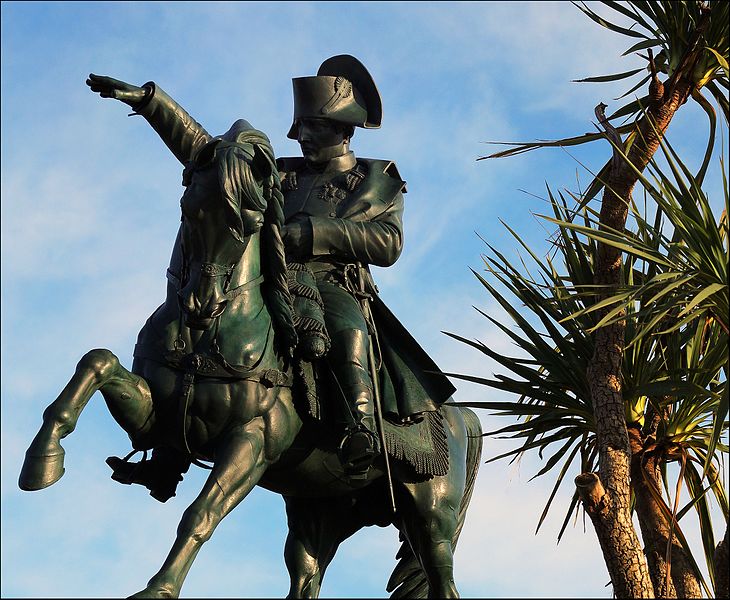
161,484
357,451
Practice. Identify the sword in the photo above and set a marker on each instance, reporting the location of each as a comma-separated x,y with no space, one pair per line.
367,313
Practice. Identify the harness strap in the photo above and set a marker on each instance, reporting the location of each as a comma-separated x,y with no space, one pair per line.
235,292
206,366
216,270
186,394
194,365
230,294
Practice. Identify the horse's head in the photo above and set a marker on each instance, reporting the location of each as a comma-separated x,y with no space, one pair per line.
227,189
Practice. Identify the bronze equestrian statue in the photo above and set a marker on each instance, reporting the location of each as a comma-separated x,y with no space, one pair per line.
217,374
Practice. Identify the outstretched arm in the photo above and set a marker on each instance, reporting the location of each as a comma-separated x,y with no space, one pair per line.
182,134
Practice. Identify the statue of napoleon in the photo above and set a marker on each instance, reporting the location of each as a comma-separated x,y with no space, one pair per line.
342,214
294,377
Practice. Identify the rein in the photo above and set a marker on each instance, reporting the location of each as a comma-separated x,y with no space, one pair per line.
217,366
225,270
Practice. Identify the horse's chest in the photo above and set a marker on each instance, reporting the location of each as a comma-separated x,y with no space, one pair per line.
214,407
243,335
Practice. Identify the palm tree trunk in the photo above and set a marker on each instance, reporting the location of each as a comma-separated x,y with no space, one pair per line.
656,527
722,569
619,542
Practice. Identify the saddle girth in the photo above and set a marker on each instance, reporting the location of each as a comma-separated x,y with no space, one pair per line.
206,366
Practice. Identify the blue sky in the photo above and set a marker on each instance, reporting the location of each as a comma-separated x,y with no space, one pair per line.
90,210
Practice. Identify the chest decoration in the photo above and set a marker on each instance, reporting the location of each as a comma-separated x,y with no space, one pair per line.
329,192
355,177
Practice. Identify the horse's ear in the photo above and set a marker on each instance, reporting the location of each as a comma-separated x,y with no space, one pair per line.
261,164
206,153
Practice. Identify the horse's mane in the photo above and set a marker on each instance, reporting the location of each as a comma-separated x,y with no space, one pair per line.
241,165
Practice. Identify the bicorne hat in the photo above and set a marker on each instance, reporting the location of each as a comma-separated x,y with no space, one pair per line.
342,91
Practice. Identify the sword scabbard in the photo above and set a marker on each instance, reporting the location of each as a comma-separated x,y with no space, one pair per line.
364,298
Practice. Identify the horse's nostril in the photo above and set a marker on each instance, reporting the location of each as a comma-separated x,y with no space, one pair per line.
218,310
185,301
198,324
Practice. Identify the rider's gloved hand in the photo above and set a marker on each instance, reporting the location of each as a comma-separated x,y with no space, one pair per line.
298,236
108,87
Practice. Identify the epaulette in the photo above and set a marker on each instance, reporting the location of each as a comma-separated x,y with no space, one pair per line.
355,176
384,167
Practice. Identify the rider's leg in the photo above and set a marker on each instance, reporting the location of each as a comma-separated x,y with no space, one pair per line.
348,359
127,396
317,526
349,363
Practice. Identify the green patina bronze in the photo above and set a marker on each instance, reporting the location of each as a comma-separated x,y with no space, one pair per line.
349,425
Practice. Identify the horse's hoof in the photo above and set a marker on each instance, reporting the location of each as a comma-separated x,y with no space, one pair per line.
39,472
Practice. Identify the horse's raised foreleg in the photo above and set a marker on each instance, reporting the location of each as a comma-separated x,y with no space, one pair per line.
240,461
128,398
317,526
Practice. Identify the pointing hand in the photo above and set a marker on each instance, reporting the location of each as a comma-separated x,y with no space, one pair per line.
107,87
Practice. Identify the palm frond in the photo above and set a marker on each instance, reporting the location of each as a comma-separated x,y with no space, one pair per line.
691,39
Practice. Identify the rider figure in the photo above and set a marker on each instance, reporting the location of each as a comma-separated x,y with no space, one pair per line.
342,214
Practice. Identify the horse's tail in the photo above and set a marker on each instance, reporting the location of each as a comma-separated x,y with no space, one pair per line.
408,579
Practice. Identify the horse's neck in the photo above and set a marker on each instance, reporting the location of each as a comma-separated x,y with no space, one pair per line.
245,335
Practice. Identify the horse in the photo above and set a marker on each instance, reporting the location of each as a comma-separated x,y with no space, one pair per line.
212,379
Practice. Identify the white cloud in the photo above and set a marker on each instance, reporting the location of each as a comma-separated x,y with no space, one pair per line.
499,550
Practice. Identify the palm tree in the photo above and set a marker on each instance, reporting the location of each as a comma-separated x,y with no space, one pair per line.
674,366
691,43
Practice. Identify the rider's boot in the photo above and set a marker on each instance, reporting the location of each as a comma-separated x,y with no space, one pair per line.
160,474
359,447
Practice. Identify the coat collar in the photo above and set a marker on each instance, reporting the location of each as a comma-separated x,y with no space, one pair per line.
339,164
